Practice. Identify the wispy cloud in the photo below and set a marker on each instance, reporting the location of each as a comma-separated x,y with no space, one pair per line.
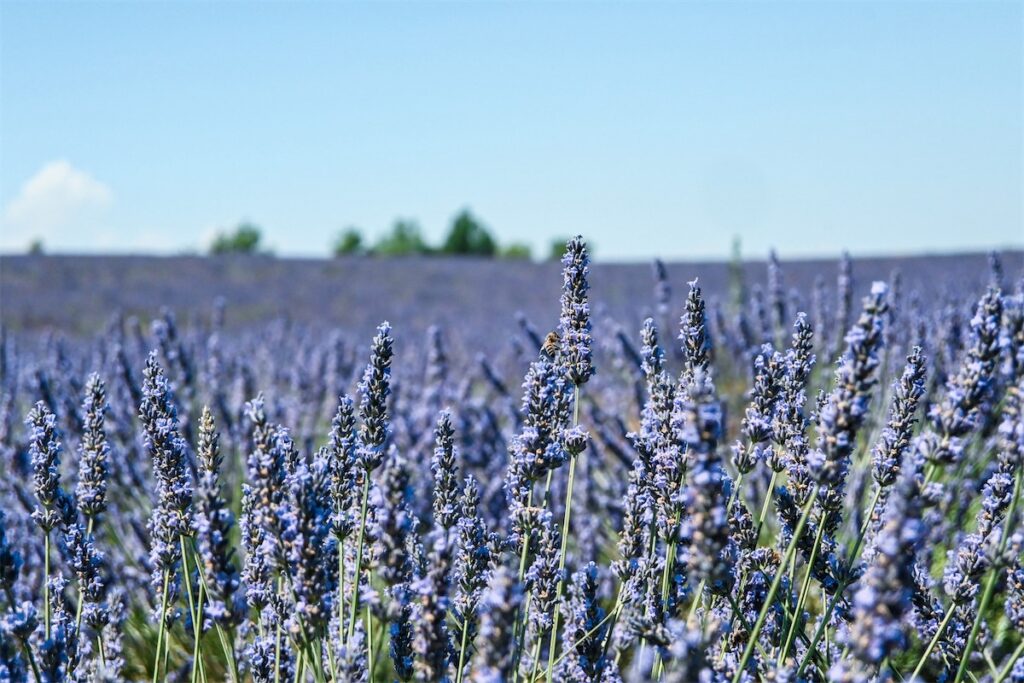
60,204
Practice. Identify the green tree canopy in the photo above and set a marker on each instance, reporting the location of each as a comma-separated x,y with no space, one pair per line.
403,240
348,242
244,240
517,251
468,236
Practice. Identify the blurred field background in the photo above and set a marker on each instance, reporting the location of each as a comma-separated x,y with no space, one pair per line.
468,296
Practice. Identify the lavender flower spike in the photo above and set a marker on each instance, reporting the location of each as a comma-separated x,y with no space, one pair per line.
53,506
171,516
498,608
374,390
94,466
446,473
214,525
574,323
888,453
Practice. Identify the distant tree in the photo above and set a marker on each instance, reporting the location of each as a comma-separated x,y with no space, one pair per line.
517,251
244,240
468,236
35,247
348,242
403,240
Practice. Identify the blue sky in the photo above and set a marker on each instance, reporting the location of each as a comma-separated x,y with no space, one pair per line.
653,129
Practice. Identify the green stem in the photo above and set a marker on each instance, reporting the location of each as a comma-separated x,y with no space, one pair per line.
804,590
369,643
193,611
535,655
670,557
277,643
823,624
78,610
565,540
162,628
616,611
46,585
934,641
462,649
582,640
773,589
764,507
1009,664
341,606
761,517
32,662
197,655
990,584
227,645
519,627
743,621
359,560
341,586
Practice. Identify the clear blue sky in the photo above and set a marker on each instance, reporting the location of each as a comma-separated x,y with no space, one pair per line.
653,129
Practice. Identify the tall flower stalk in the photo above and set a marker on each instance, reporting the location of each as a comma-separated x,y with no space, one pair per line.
374,390
576,356
53,507
171,521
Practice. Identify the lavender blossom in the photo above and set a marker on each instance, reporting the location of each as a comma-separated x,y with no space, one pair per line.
94,466
401,630
879,629
542,580
171,517
393,521
305,526
694,332
58,654
757,426
472,567
538,447
894,443
789,423
342,458
974,554
256,569
374,390
53,506
574,323
87,563
584,635
956,416
652,354
711,556
214,525
446,473
846,407
431,642
493,661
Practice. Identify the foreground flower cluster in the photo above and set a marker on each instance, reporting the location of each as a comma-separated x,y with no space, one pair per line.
736,492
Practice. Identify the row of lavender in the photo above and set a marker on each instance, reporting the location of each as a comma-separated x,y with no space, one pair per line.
766,496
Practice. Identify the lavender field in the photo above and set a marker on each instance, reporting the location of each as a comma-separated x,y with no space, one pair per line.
245,468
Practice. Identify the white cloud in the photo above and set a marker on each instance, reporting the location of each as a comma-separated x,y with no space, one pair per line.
61,205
